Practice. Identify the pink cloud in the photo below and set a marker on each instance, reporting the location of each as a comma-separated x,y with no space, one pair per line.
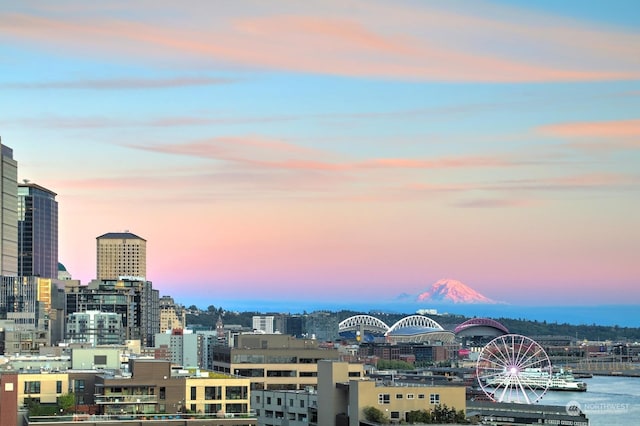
404,41
594,129
598,135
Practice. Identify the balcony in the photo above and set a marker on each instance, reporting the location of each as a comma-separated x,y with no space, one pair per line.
125,399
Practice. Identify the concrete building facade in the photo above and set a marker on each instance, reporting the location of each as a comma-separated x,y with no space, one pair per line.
8,212
290,408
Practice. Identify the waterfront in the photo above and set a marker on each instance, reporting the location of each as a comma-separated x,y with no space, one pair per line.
608,400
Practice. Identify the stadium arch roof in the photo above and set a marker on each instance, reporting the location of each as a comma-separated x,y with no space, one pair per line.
366,322
474,323
418,329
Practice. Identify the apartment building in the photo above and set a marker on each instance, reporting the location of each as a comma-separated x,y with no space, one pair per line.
276,361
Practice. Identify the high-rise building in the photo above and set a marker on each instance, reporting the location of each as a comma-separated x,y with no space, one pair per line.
136,301
37,231
121,254
8,212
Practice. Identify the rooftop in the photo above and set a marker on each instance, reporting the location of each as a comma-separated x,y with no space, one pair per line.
119,236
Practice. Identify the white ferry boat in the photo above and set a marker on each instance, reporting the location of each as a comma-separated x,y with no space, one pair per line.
537,379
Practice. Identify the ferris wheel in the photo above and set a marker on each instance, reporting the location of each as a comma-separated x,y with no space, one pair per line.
514,368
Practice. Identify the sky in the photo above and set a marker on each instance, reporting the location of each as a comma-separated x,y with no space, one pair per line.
336,150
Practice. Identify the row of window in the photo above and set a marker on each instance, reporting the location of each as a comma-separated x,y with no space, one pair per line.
34,387
385,398
216,392
268,401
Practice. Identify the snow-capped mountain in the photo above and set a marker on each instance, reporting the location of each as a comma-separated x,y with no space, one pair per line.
452,291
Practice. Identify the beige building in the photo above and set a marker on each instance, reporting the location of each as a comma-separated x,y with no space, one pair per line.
172,315
121,254
276,361
214,393
45,387
342,397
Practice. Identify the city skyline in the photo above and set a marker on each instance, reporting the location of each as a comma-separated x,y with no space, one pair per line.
354,150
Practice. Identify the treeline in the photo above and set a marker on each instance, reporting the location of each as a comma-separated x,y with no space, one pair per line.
591,332
207,318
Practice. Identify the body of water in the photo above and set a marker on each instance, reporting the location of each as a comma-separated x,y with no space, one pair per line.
608,401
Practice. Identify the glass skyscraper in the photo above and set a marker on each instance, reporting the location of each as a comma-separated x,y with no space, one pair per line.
37,231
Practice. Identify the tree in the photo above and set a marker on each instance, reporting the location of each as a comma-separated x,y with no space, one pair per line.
419,416
385,364
372,414
67,402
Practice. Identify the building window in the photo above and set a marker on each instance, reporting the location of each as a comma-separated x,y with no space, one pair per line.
409,396
193,393
163,393
384,398
395,415
399,396
302,403
213,392
434,398
59,386
32,387
420,396
236,392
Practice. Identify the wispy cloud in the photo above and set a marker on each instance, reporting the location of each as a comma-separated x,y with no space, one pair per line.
120,83
278,154
598,135
576,182
399,41
595,129
493,203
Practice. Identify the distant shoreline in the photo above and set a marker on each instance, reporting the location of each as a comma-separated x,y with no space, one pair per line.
605,315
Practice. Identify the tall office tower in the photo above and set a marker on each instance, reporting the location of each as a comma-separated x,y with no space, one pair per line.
121,254
37,231
8,212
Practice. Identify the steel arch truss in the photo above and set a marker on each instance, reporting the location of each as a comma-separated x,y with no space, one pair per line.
415,321
365,322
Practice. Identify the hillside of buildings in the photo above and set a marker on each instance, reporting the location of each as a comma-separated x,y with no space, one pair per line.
319,323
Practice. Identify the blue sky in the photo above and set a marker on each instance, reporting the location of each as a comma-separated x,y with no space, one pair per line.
341,147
